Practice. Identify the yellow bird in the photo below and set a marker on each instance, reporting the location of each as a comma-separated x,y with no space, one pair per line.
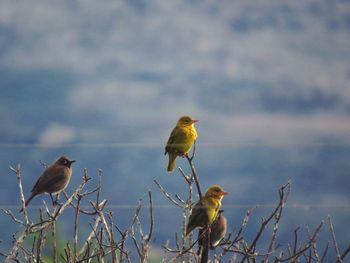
206,210
181,139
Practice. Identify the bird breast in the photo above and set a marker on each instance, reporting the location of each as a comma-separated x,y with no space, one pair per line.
62,179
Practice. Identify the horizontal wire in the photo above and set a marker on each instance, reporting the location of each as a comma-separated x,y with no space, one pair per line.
80,145
157,145
233,206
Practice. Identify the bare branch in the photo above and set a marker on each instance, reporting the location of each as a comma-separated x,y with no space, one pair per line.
194,174
331,229
75,242
9,213
41,241
186,177
149,236
88,240
30,229
325,252
313,247
343,255
283,195
106,227
17,171
305,248
54,245
166,194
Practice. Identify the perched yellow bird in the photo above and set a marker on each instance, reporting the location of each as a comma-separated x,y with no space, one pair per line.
181,139
206,210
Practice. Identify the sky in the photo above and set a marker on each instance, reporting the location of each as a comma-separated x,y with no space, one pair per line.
268,80
280,67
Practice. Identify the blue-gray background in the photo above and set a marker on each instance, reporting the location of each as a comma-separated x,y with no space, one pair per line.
104,83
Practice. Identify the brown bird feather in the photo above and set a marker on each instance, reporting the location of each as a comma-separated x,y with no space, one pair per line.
54,179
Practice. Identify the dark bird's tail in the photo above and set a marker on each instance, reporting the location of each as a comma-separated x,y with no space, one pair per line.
27,202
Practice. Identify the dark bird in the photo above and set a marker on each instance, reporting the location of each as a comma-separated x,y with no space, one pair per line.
218,231
54,179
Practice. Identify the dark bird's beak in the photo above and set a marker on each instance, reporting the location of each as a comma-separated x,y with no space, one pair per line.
72,161
195,121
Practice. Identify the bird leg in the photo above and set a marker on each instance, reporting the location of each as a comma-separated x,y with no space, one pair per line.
183,155
55,202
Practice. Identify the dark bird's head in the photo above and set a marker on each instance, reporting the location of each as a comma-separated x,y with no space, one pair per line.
63,160
186,121
221,220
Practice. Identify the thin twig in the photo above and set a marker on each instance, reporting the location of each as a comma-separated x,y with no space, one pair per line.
41,241
88,240
264,222
9,213
312,240
54,244
325,252
17,171
166,194
331,228
343,255
149,236
194,175
313,247
75,242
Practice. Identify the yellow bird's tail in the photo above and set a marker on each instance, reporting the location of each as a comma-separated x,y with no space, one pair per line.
172,162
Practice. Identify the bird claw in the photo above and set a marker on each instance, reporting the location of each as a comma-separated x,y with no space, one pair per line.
57,203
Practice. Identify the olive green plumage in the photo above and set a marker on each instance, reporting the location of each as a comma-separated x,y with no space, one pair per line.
181,139
206,210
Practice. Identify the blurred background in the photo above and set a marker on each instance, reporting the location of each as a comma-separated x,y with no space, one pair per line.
105,82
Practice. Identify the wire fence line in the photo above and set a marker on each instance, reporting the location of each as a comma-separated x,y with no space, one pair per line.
224,206
161,145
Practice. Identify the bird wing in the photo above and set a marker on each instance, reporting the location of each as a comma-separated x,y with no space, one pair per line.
177,136
199,214
48,180
35,187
